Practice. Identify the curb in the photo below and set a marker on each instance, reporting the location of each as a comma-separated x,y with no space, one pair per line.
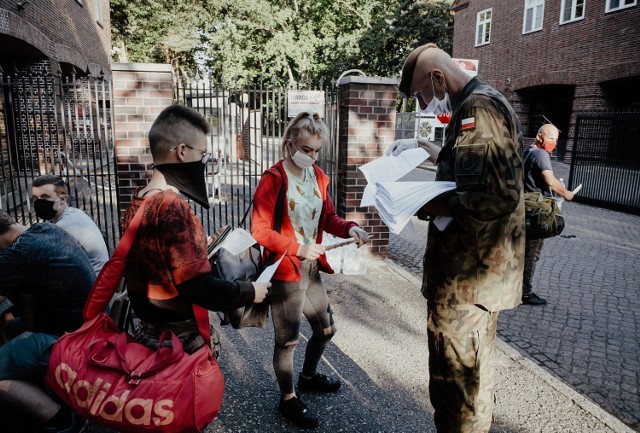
563,388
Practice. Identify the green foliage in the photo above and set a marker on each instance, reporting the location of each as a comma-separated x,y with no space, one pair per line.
289,40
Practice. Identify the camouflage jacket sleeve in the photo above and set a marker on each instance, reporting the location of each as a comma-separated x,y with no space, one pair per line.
487,165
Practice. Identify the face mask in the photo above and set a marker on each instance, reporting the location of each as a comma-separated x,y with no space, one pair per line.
548,145
188,177
301,160
437,106
44,209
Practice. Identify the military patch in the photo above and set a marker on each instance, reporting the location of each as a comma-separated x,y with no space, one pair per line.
471,166
468,123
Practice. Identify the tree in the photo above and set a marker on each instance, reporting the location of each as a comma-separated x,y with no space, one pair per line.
284,41
408,25
165,31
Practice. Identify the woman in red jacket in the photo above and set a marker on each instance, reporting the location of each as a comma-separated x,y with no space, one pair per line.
307,212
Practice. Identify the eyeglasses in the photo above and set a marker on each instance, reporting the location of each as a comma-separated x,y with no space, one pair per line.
206,156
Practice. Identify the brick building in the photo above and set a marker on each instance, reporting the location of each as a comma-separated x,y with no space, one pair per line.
55,80
66,33
554,58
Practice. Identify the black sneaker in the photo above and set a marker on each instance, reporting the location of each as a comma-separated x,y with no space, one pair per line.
318,383
533,299
297,412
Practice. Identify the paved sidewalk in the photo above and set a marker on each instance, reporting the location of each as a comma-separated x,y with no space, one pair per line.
587,334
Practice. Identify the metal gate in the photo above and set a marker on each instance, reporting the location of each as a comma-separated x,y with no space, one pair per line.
50,124
248,124
606,159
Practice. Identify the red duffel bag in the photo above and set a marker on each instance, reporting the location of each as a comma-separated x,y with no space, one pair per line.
108,378
104,375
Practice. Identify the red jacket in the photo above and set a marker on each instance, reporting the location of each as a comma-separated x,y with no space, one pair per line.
262,222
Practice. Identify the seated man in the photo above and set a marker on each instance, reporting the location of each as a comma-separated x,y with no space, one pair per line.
47,275
49,195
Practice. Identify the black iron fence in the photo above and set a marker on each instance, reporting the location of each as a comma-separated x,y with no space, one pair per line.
606,159
50,124
248,124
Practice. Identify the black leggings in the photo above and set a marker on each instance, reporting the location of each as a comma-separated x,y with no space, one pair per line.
289,300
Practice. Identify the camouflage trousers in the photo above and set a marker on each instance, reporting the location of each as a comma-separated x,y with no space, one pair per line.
532,253
461,377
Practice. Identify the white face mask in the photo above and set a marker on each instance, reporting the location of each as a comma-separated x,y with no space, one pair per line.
302,160
437,106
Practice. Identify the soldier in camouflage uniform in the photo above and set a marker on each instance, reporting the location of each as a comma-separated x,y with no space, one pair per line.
473,267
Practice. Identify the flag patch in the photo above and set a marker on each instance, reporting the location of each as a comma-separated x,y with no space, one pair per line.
468,123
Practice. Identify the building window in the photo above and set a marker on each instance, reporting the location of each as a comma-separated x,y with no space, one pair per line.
533,14
571,10
614,5
483,27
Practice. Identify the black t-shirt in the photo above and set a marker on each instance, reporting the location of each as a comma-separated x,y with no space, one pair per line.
47,274
536,161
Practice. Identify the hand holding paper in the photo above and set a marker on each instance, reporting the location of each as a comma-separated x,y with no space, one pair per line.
577,190
268,272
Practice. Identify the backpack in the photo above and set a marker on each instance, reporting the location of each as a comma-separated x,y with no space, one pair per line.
542,215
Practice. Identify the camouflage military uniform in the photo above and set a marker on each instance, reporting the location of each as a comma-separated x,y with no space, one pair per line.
473,269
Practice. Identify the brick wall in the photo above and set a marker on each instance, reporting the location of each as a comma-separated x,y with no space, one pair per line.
63,30
367,126
140,92
599,48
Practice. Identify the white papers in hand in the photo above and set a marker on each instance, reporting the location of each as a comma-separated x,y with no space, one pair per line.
388,169
397,202
577,190
268,272
237,241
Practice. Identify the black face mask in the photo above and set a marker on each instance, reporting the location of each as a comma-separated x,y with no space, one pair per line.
188,177
44,209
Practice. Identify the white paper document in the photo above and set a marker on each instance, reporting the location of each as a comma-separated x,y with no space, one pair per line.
268,272
237,241
577,190
397,202
389,169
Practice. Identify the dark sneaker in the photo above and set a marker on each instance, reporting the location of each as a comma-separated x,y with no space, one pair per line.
533,299
297,412
318,383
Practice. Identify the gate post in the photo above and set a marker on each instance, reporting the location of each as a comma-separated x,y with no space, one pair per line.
367,124
140,92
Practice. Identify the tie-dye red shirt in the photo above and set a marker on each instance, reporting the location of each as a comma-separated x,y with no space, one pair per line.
170,249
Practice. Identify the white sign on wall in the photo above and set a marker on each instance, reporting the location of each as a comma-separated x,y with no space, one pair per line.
306,100
468,65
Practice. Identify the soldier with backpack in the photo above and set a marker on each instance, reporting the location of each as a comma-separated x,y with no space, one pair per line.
539,177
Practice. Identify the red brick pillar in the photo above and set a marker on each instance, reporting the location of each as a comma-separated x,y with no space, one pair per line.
140,92
367,115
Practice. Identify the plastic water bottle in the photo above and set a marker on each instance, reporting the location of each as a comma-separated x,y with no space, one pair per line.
559,198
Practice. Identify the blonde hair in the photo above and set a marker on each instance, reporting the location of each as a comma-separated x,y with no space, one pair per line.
304,125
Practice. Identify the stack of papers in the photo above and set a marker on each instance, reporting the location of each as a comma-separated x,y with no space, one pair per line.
397,202
389,169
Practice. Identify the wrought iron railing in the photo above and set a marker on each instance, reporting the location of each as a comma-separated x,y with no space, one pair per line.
606,159
62,125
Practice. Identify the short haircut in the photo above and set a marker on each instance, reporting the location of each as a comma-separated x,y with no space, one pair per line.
409,67
174,125
60,187
6,221
305,124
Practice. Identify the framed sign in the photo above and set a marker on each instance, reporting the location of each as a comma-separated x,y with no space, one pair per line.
468,65
306,100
